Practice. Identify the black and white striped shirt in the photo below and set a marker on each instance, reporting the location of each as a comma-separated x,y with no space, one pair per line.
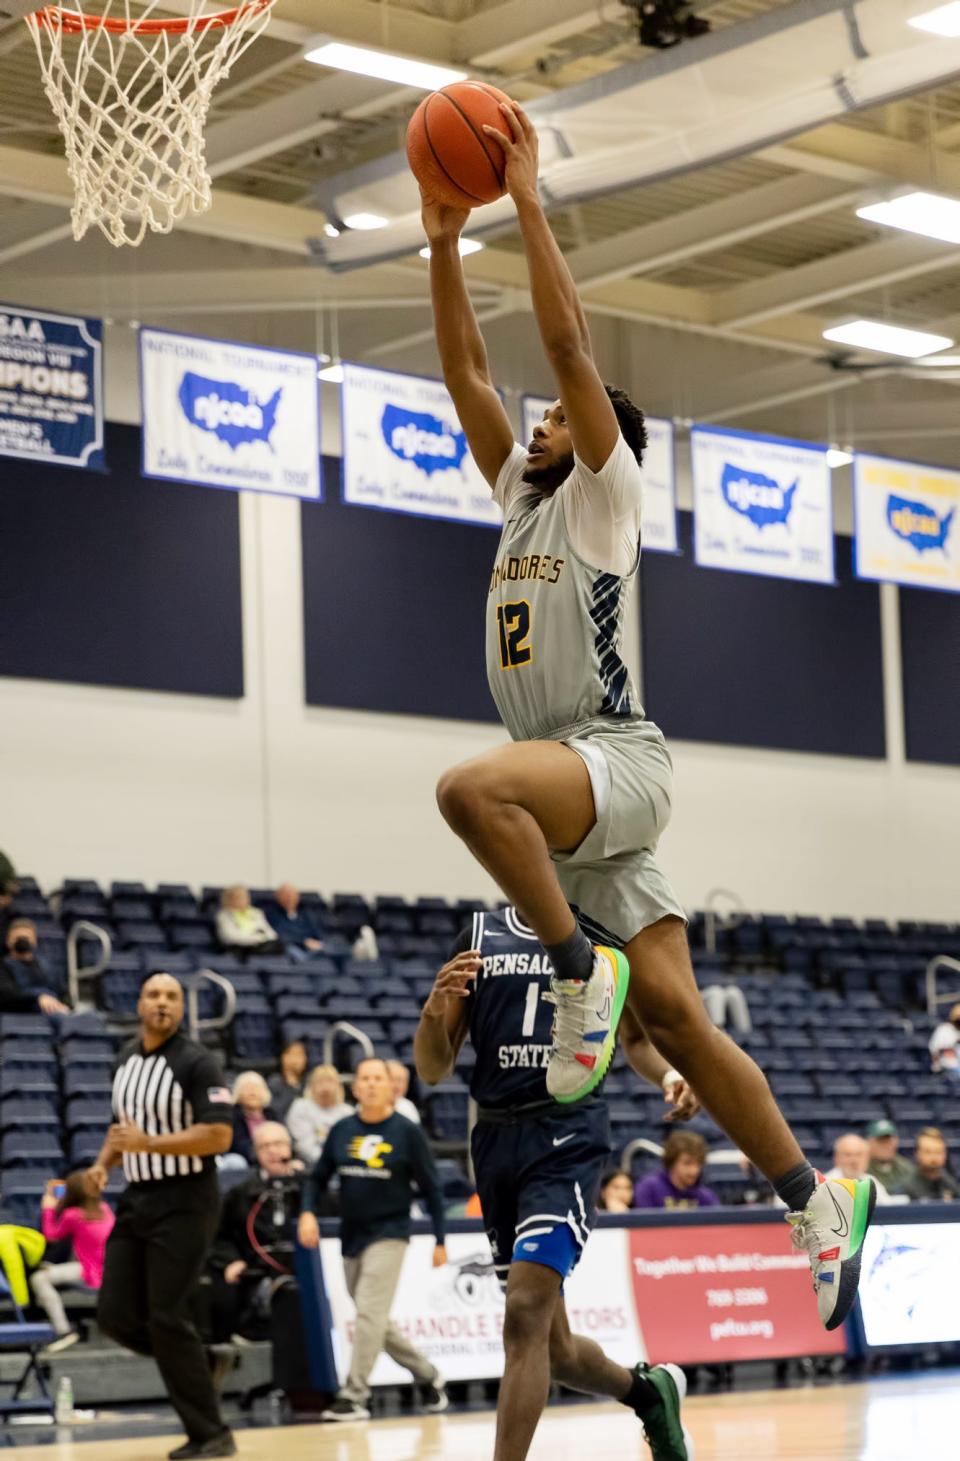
169,1089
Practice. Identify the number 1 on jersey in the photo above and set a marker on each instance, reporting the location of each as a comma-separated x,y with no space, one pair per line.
530,1011
513,622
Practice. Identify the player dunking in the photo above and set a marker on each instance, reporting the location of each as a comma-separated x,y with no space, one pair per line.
570,814
538,1167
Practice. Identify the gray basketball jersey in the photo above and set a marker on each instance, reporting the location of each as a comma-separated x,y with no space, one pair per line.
554,624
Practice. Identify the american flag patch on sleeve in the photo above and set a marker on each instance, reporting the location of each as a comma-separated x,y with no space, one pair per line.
219,1093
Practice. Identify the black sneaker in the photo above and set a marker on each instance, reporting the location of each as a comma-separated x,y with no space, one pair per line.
222,1445
344,1409
435,1397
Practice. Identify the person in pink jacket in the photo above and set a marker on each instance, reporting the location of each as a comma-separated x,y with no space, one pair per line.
86,1220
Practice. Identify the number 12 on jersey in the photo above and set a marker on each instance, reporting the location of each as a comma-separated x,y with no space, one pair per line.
513,623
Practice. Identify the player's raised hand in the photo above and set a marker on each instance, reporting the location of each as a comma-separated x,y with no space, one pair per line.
453,982
440,220
522,149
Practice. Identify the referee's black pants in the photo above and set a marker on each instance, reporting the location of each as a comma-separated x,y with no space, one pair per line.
154,1257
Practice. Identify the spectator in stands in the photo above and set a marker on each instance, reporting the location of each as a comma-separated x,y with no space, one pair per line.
243,929
288,1082
72,1213
295,927
255,1239
945,1046
886,1164
851,1158
931,1182
616,1192
400,1081
9,888
378,1156
251,1108
23,962
678,1185
19,995
311,1117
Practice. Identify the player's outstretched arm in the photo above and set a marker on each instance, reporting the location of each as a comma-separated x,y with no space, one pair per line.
463,355
444,1018
556,303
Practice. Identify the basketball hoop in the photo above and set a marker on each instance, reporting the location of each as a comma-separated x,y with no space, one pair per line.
131,93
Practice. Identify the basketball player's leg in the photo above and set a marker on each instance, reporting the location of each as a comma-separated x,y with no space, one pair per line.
512,807
532,1295
664,997
581,1364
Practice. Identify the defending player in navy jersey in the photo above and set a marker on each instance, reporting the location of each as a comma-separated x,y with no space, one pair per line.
538,1167
571,813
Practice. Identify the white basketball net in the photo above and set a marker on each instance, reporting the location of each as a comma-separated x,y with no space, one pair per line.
132,103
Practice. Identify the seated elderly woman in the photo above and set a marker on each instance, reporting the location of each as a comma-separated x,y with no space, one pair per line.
251,1108
243,929
311,1116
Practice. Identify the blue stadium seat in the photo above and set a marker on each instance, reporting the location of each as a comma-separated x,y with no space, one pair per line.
28,1115
87,1113
446,1108
30,1055
129,909
30,1149
198,936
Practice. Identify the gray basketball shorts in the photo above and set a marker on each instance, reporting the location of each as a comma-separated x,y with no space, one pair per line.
613,879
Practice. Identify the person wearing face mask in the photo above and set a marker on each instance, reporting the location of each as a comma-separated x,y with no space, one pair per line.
945,1046
25,986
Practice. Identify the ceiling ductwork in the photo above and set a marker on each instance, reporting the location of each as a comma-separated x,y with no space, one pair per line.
724,95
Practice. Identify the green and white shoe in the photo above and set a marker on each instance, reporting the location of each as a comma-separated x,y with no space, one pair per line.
585,1025
832,1228
667,1436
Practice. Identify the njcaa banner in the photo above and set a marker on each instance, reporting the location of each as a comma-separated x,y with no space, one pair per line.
907,529
403,449
658,518
51,388
226,415
762,504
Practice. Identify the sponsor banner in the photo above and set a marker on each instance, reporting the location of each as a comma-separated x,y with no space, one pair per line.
731,1292
51,388
907,523
222,414
454,1314
658,520
403,449
908,1286
762,505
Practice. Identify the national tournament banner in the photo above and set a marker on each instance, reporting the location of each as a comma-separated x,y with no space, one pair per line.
51,388
907,523
222,414
404,450
762,504
658,518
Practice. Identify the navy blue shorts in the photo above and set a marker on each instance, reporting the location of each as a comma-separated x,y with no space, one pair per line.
538,1183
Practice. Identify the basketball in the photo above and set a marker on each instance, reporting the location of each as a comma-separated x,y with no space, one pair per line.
451,156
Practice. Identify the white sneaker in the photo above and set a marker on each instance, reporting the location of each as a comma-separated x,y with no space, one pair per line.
62,1342
831,1228
585,1025
435,1397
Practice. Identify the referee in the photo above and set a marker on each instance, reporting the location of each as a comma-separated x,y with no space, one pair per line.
172,1115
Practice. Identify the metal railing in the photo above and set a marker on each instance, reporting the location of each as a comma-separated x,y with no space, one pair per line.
641,1144
711,914
344,1027
192,983
942,961
77,972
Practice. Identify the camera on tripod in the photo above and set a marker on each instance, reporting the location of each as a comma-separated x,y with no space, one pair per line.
665,23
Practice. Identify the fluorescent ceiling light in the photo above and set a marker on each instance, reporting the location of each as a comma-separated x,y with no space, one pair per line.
836,457
951,362
364,222
333,375
887,339
465,245
928,213
944,21
331,230
385,67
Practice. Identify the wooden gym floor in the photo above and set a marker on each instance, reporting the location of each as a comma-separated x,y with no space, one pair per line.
895,1419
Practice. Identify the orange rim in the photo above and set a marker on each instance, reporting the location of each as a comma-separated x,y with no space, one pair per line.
73,23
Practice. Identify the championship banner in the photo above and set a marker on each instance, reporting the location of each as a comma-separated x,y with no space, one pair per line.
903,1297
51,388
220,414
762,504
907,523
658,518
403,449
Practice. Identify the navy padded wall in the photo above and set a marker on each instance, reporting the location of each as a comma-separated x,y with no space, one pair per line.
393,609
744,660
111,579
930,656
